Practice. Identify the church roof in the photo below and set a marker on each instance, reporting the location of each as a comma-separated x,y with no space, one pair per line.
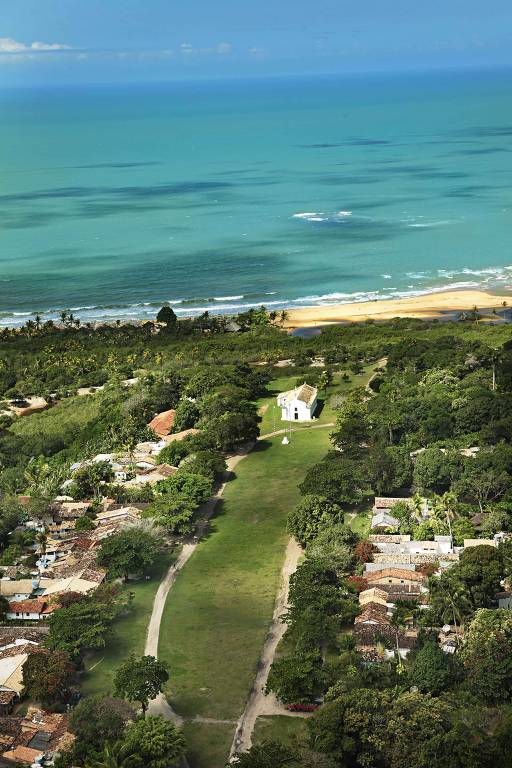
305,393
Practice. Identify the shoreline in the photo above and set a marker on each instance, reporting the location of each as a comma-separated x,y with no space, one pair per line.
428,306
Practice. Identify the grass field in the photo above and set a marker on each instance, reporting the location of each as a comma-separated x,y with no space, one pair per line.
360,522
217,615
129,632
279,728
208,744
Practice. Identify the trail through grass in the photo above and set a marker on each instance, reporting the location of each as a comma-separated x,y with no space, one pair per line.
218,613
129,632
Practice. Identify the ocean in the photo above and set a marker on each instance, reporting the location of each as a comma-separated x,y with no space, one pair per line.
225,195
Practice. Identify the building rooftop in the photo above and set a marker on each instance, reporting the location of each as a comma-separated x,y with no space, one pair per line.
30,606
22,755
305,393
163,422
395,573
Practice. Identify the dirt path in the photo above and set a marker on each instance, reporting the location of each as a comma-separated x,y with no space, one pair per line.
159,705
287,430
380,365
258,703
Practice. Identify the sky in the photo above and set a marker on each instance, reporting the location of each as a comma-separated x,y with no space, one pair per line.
45,42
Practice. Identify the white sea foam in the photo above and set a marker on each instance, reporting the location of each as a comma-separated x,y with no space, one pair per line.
321,216
423,282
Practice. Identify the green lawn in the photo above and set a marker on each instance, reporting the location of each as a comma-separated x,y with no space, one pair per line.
129,632
217,615
208,744
271,414
279,728
360,522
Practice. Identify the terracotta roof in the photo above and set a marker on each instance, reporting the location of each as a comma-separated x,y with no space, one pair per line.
10,634
177,436
10,725
369,634
15,650
163,422
7,697
372,595
374,606
28,606
166,470
84,544
11,571
19,587
71,510
373,615
22,755
381,502
396,573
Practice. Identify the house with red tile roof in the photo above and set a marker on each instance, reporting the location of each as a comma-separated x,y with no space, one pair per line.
29,610
163,422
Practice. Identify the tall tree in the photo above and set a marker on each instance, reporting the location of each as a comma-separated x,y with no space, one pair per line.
140,680
130,551
156,742
487,655
97,721
430,670
47,676
167,316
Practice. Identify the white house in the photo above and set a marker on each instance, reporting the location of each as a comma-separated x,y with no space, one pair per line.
29,610
298,404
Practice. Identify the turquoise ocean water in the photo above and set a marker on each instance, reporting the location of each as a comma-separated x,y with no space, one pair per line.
222,196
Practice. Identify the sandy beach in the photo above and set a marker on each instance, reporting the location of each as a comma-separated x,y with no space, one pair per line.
427,306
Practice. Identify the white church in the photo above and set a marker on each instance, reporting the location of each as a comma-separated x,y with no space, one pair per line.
298,404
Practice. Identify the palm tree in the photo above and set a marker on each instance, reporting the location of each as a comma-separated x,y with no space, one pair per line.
399,620
44,480
30,326
37,321
42,540
417,503
114,756
451,599
283,316
443,508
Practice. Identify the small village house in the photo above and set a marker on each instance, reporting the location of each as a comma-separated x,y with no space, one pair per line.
29,610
